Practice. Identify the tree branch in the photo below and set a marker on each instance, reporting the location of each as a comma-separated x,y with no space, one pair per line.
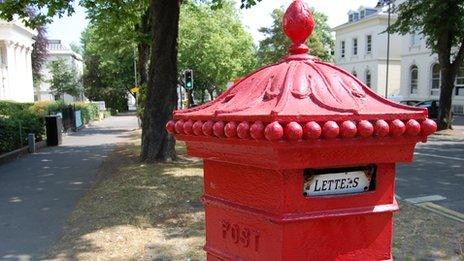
459,57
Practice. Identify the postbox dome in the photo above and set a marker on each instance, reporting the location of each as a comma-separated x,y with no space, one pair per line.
301,97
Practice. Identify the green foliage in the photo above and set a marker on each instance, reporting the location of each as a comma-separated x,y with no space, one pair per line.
64,79
432,18
215,45
44,108
276,44
90,111
16,122
244,3
108,74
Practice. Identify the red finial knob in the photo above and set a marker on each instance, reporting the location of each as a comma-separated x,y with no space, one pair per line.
298,26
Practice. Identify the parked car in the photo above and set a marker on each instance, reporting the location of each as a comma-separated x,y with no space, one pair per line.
432,106
410,102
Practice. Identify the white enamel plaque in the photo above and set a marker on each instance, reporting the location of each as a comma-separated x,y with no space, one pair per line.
337,183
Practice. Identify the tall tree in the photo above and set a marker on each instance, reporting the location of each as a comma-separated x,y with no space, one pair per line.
108,72
39,52
275,45
63,79
157,144
214,43
123,26
442,24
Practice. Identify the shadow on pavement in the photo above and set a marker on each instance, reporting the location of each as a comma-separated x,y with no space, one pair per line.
38,192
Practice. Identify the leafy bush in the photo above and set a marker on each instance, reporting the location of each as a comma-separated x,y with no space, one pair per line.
9,107
17,120
44,108
90,111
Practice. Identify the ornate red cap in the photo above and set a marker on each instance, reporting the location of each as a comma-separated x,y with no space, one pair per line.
298,26
324,100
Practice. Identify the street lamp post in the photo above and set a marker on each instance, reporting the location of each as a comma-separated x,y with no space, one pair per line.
388,49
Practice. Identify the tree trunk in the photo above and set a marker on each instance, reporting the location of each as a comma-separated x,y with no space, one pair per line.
143,47
445,117
157,144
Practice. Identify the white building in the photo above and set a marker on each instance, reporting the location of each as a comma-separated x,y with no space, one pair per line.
420,73
361,48
58,50
16,42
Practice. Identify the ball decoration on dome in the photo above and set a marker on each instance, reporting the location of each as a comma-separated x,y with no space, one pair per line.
397,128
413,128
179,127
312,130
365,129
208,128
348,129
218,129
243,130
198,128
257,130
188,127
231,129
330,130
274,131
381,128
171,127
293,131
428,127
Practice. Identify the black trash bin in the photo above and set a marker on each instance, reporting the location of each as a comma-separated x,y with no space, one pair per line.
54,129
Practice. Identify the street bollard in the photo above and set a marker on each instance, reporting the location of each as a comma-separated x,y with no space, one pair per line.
31,143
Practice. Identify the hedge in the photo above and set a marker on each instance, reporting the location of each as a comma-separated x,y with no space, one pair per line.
17,120
90,111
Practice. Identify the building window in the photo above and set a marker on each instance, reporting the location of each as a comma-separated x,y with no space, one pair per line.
363,14
343,48
414,75
368,78
436,79
369,44
355,46
460,81
415,38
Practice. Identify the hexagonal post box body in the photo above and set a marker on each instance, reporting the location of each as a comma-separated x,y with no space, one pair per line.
299,160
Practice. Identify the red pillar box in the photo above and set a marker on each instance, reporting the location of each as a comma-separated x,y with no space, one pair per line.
299,159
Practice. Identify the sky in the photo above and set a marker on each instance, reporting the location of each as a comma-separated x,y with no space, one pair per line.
69,28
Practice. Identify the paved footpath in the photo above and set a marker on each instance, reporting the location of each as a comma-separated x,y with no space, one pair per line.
435,180
38,192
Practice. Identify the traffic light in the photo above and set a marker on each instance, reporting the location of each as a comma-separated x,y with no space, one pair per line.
188,79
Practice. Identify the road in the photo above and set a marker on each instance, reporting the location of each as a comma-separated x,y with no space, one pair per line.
437,174
38,192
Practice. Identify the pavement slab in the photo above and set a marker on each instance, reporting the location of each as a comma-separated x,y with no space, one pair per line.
39,191
437,173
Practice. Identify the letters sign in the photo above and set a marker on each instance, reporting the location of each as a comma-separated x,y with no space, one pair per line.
339,181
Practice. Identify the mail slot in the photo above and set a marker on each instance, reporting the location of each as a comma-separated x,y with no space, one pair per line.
300,159
341,181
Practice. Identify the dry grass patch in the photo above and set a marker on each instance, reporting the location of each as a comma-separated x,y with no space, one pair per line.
138,211
423,235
